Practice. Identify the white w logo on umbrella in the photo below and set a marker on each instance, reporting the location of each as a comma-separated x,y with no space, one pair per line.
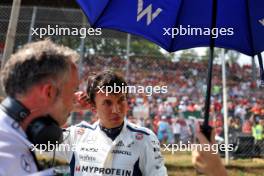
262,22
147,11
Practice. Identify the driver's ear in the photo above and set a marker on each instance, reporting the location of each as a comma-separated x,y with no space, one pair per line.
93,107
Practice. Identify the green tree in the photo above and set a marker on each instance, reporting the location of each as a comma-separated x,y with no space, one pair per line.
118,47
217,52
190,55
106,46
143,47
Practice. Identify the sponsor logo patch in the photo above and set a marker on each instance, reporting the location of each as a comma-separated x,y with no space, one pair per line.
123,152
139,136
26,163
104,171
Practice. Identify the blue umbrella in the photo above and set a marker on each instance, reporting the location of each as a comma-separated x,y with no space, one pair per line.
240,22
182,24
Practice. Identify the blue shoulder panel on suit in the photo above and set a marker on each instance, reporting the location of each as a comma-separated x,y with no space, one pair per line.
137,130
86,126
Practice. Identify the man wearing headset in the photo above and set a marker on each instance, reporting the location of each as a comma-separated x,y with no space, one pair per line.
112,145
39,81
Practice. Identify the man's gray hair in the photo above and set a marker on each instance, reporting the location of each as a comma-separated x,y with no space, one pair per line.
34,63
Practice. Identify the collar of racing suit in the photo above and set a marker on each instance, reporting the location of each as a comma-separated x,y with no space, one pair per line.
112,133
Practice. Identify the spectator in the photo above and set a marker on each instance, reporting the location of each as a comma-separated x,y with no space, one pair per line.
176,129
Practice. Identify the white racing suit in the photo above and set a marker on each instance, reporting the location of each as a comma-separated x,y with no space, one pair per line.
134,152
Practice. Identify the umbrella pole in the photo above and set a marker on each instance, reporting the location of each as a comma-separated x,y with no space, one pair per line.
209,84
205,128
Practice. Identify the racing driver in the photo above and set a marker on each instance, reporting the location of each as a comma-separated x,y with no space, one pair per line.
112,145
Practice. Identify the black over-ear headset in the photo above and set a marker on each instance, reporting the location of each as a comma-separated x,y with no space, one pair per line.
42,130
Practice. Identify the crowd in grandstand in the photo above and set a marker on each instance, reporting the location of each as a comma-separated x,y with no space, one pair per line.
173,115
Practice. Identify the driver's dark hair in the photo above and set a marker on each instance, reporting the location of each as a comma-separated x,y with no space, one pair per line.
103,79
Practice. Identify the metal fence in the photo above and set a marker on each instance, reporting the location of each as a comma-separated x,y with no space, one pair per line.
43,17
